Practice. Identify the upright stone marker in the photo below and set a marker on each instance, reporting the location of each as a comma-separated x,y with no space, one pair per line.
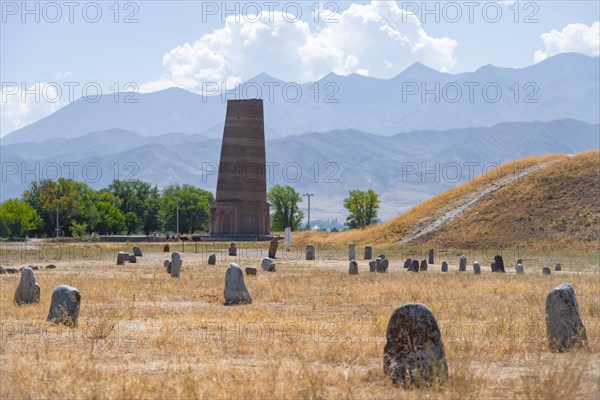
372,266
494,267
167,265
267,265
546,271
476,268
132,258
499,264
235,291
431,256
273,248
288,238
462,264
212,259
414,353
310,252
423,266
137,251
28,291
351,252
414,266
564,327
175,264
383,265
407,263
64,305
378,264
444,266
250,271
557,267
166,248
232,250
353,267
122,257
519,269
368,252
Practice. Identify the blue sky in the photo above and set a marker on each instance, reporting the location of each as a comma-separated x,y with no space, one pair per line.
186,43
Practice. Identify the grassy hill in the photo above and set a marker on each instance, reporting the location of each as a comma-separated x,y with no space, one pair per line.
547,203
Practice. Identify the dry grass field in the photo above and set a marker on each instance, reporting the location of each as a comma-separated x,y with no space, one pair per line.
313,331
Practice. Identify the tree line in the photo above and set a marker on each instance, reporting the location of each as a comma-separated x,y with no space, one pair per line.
133,207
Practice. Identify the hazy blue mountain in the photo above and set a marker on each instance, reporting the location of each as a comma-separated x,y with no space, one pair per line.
560,87
405,168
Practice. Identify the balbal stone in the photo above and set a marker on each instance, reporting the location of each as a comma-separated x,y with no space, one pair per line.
414,353
132,258
462,264
235,287
232,250
372,266
383,266
64,305
267,264
407,263
499,261
351,251
251,271
431,256
519,269
11,270
310,252
212,259
122,257
353,268
50,266
137,251
557,267
414,266
28,291
564,328
476,268
273,245
166,263
368,252
166,248
546,271
444,266
176,262
423,266
378,264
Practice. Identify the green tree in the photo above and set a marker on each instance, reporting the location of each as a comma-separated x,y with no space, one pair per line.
131,222
362,207
140,198
286,213
78,230
194,208
17,218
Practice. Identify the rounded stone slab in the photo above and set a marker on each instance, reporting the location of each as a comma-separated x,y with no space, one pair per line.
407,263
499,264
251,271
372,266
423,266
368,252
132,258
557,267
546,271
310,252
137,251
351,252
414,266
444,266
212,259
384,265
176,262
64,305
519,269
414,353
268,265
476,268
28,291
462,264
122,257
235,291
353,267
564,327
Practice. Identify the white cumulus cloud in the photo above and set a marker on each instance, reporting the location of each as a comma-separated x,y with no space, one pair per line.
378,39
576,38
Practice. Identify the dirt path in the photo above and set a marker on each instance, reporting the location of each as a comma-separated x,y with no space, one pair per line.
455,210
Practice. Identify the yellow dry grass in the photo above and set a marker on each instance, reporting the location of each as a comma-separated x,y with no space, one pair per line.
313,331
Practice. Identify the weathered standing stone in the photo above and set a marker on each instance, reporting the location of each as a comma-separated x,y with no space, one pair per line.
212,259
519,269
273,244
423,266
132,258
557,267
64,305
493,267
166,248
414,266
546,271
166,263
476,268
232,250
383,265
137,251
176,262
431,256
28,291
267,264
462,264
351,251
414,353
353,267
251,271
310,252
378,264
499,261
235,288
407,263
122,257
368,252
372,266
564,328
444,266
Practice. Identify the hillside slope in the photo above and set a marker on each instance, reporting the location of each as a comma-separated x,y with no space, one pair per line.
545,203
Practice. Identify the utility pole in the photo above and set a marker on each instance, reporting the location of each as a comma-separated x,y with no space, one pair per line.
309,196
57,228
177,217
